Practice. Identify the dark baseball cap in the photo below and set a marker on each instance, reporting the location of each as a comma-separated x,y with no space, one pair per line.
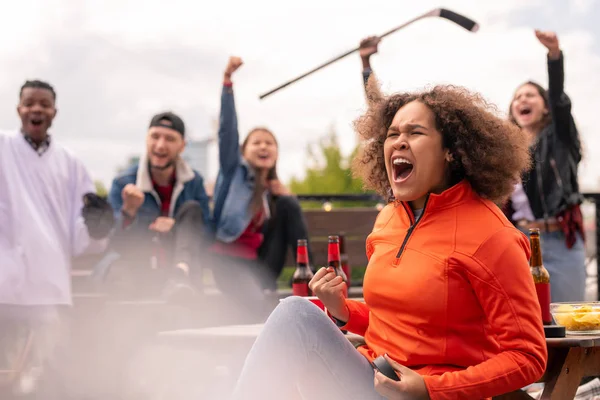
169,120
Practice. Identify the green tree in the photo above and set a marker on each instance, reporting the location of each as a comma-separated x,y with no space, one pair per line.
101,189
328,172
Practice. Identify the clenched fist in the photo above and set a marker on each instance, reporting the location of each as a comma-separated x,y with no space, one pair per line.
550,41
368,46
331,290
162,225
232,66
133,198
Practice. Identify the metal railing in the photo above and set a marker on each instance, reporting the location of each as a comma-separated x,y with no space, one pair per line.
340,197
592,197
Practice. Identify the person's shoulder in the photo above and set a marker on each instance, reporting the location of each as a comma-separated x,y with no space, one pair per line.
198,178
63,151
488,213
384,216
3,137
66,153
7,135
481,221
503,249
485,242
128,175
196,184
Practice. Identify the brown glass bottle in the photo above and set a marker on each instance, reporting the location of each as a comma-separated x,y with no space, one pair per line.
303,274
541,277
344,260
334,258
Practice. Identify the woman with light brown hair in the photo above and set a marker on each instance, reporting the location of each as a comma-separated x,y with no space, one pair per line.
255,217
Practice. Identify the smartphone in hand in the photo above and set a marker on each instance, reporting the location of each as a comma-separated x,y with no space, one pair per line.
381,364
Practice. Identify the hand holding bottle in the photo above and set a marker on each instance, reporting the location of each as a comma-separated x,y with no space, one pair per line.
331,290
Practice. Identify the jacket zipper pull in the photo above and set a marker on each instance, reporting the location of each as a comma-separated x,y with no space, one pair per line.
413,225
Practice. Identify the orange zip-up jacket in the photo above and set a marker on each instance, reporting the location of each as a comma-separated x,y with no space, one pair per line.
451,296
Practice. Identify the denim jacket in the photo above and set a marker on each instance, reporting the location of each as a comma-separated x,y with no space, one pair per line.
230,213
189,185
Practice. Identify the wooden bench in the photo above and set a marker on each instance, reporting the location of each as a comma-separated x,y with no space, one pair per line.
354,223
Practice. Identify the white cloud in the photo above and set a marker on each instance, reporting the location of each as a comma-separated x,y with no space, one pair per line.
580,7
115,63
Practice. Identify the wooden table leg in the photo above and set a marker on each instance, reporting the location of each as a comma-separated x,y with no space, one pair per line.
564,379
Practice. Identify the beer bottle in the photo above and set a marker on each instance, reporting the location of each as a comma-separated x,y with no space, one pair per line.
333,258
541,277
303,274
344,259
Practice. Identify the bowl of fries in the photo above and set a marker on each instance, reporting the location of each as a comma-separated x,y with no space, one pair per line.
578,318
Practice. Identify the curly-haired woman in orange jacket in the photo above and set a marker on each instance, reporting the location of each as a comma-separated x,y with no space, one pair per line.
448,292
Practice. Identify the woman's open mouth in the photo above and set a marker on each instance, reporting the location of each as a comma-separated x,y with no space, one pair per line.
264,158
402,169
525,111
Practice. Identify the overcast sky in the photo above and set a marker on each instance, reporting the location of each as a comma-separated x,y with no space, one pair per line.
116,63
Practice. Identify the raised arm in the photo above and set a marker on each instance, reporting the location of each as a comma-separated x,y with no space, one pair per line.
229,138
500,277
367,48
560,104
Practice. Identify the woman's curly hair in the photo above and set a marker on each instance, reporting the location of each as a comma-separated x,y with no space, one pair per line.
489,152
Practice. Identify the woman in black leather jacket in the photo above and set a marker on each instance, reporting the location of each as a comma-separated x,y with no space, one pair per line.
549,197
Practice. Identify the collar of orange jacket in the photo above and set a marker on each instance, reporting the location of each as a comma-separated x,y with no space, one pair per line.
449,198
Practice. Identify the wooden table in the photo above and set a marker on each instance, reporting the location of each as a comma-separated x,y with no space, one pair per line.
570,359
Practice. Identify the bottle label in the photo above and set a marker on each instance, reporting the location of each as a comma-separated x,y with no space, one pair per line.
302,256
333,252
543,294
300,289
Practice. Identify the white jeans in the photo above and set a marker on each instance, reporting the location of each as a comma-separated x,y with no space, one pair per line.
301,353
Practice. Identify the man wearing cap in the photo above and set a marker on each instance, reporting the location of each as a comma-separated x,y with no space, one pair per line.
161,207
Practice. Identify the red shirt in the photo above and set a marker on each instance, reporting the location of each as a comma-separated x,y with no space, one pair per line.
165,193
247,245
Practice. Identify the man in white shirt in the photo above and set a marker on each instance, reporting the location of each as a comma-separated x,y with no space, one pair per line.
44,224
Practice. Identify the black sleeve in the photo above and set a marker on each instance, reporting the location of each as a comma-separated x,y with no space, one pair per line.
560,107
